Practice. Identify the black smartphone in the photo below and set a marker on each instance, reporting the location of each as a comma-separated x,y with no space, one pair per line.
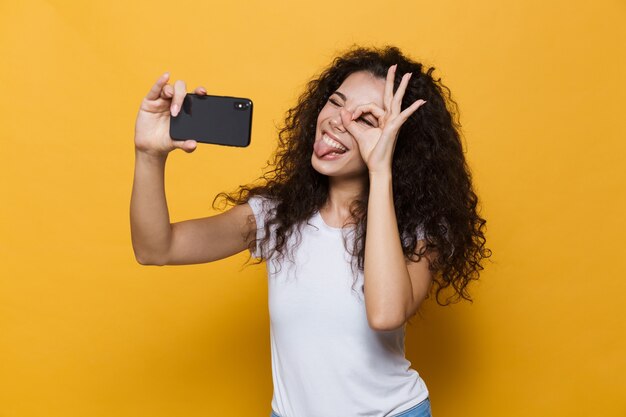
220,120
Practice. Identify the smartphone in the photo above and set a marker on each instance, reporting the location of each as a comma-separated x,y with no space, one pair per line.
220,120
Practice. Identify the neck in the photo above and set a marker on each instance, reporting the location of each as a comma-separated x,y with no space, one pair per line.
342,192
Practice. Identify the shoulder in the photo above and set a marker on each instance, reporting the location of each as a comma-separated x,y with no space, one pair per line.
261,204
263,209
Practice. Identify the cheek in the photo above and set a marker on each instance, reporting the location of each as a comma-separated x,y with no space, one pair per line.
324,113
318,121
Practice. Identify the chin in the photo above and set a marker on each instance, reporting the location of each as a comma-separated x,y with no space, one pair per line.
337,168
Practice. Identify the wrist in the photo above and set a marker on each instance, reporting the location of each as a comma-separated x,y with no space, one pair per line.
380,175
150,157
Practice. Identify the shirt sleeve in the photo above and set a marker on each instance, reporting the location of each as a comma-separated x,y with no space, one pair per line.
420,234
260,207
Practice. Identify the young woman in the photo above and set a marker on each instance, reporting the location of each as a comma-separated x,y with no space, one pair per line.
370,207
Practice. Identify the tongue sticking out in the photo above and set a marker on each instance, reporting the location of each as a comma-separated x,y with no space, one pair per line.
322,149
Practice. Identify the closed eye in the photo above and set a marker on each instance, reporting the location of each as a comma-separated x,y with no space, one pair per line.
360,118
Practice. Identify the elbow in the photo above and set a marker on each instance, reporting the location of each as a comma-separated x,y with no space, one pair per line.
150,263
141,261
386,323
146,261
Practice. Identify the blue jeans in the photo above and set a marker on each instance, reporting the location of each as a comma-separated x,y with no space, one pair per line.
418,410
421,409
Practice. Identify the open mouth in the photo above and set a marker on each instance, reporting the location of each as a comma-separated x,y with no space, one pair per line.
328,149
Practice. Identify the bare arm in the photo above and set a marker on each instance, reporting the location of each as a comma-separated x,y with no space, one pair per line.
211,238
394,287
158,242
155,240
151,231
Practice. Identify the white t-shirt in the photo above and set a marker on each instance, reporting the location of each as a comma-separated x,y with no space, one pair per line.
326,360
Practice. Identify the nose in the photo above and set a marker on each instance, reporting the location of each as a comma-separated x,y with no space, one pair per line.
335,122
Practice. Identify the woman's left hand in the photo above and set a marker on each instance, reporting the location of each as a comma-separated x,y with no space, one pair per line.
377,144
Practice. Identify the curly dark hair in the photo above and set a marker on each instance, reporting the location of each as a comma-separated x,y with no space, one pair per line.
430,177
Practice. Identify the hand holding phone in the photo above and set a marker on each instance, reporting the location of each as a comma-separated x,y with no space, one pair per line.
220,120
152,125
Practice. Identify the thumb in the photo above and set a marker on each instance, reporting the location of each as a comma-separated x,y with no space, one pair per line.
187,145
190,145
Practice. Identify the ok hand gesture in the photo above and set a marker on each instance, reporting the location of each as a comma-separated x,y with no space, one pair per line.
377,144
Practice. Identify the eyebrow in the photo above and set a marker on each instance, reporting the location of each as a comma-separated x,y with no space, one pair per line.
340,95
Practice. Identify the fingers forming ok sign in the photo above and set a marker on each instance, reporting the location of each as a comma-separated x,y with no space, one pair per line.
377,144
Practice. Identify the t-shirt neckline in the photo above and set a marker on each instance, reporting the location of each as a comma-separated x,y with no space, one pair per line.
327,226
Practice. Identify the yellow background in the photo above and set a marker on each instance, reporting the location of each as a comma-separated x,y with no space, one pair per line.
87,331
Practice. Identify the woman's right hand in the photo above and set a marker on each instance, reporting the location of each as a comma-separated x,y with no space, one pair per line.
152,127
